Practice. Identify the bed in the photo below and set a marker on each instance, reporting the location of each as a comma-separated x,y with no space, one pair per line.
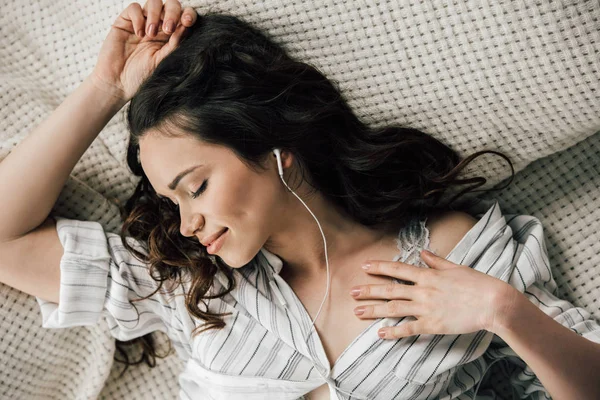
511,76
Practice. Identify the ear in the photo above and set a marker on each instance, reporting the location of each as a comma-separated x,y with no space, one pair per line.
287,159
437,262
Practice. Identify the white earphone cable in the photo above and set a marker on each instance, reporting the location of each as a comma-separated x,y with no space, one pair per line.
327,378
324,241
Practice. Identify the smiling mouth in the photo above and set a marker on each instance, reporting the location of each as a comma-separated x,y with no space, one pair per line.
216,244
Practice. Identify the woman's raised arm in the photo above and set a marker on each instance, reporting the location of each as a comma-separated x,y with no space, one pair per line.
34,173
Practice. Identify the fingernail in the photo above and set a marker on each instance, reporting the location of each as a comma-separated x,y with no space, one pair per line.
359,310
187,18
355,292
366,266
381,333
170,26
428,253
150,30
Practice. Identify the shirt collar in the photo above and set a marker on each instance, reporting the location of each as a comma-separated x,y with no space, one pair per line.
274,262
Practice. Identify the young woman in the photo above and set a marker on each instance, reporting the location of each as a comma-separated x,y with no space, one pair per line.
261,195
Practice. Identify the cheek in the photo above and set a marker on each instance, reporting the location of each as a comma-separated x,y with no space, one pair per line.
262,201
225,202
250,201
251,209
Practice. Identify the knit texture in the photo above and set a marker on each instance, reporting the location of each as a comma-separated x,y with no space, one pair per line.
512,76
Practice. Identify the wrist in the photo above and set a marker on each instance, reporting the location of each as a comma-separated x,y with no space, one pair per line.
112,92
507,302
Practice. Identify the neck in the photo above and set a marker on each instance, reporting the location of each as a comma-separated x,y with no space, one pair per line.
299,243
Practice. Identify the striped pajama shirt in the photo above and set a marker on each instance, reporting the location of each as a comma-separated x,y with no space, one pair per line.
268,350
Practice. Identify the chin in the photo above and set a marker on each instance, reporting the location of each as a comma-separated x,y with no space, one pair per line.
235,263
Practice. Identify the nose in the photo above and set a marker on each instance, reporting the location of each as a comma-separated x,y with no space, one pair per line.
189,224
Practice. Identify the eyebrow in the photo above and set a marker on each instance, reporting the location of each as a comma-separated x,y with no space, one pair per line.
180,176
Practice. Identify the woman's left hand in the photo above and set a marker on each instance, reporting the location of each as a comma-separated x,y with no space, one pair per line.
446,298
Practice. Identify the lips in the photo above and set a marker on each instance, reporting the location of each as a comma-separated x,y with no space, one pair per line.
217,244
208,240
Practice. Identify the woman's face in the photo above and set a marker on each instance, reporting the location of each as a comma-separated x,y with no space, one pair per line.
229,194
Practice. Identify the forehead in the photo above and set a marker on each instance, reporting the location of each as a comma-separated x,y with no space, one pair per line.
155,142
155,147
163,157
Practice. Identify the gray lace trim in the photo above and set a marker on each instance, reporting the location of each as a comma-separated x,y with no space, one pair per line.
411,240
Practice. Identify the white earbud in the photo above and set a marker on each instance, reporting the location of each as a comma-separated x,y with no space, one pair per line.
279,165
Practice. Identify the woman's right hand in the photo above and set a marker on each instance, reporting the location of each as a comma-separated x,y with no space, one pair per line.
131,50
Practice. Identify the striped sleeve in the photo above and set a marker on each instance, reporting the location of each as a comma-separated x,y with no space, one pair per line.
98,278
528,271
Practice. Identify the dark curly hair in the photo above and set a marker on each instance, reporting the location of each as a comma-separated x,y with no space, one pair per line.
228,83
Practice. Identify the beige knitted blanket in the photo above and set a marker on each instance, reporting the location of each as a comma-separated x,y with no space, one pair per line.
513,76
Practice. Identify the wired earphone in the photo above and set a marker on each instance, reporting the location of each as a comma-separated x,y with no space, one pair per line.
277,153
280,168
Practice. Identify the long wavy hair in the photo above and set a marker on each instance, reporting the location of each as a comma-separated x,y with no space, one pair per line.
228,83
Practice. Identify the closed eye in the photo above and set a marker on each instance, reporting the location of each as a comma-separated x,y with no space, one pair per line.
200,190
194,195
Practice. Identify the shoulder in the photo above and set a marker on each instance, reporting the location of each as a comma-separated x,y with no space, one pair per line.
446,229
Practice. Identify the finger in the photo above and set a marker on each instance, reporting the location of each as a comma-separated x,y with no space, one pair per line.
390,291
173,42
137,18
182,27
152,10
189,17
395,269
175,38
391,309
437,262
131,20
396,332
171,12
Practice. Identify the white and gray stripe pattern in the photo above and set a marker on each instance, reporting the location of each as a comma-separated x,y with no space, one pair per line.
268,350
